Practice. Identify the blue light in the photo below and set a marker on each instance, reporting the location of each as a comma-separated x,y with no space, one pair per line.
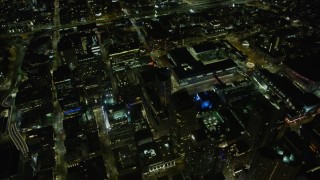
205,104
197,98
70,111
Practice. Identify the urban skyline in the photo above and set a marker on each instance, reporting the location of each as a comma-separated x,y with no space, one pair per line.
159,89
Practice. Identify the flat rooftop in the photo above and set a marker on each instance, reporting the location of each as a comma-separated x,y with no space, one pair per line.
298,98
61,74
306,67
182,100
197,68
180,56
203,47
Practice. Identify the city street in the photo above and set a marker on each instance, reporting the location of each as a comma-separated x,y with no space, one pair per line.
100,118
10,94
178,89
258,58
183,8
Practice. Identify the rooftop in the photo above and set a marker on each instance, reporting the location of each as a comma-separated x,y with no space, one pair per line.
305,67
33,94
40,139
93,168
298,98
199,135
155,74
180,56
149,154
203,47
143,136
34,59
197,68
182,100
125,157
46,174
46,159
235,129
283,150
61,74
156,30
10,158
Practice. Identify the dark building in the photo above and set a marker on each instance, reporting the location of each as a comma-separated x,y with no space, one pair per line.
31,97
66,52
89,66
209,52
233,129
259,117
155,156
91,90
90,75
236,91
300,105
126,158
91,168
10,158
280,161
137,117
81,139
36,66
188,71
46,174
156,33
156,89
40,139
202,154
309,145
159,80
62,79
121,129
304,72
183,119
41,161
239,157
143,136
67,96
35,61
41,76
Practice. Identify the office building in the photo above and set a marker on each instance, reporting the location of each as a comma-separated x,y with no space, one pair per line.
189,72
183,120
202,154
278,161
300,105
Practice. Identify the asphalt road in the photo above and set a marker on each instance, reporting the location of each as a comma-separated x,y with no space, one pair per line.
5,103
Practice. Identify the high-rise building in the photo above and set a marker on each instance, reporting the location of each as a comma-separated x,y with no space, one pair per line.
62,79
202,154
183,119
300,105
121,129
280,161
30,97
67,96
159,80
156,90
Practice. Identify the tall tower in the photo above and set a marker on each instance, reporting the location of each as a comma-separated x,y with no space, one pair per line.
183,119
